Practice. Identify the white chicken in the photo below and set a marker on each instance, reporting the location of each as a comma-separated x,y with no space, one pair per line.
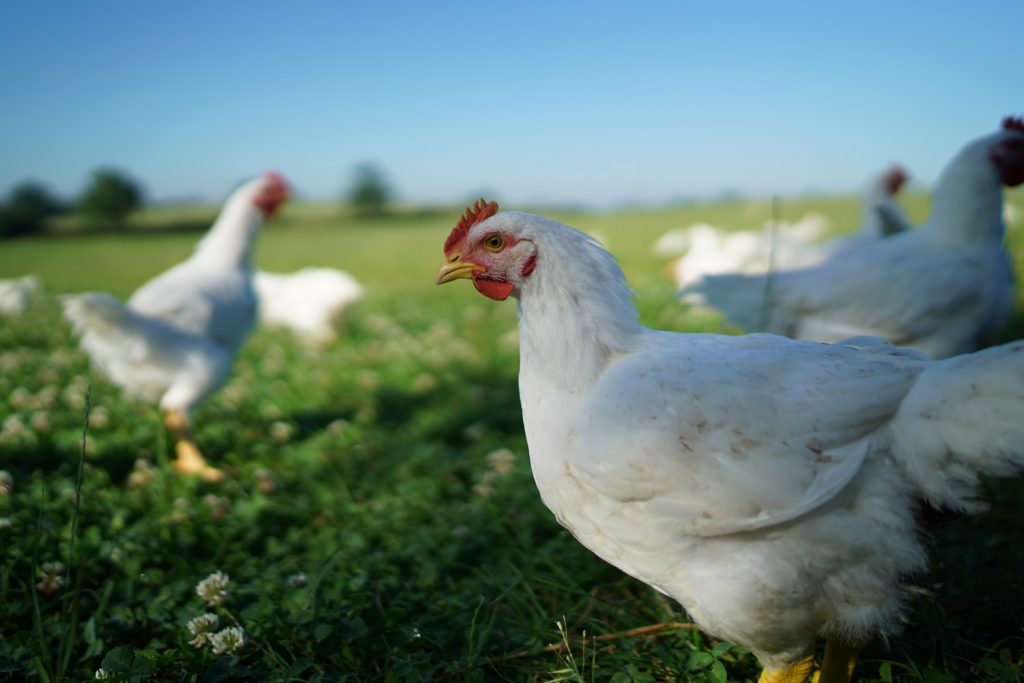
711,251
17,294
942,288
881,215
307,302
767,484
176,338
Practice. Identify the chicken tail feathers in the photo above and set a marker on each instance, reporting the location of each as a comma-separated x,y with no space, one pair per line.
94,311
110,332
964,417
148,358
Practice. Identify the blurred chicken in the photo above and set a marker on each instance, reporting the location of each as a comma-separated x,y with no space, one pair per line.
767,484
881,216
711,251
943,288
15,295
176,338
308,301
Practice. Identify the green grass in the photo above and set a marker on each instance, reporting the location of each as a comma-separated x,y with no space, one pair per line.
364,468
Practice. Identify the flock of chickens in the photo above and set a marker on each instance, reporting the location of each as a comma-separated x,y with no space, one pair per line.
767,482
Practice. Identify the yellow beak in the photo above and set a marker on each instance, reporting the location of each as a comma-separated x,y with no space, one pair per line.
456,269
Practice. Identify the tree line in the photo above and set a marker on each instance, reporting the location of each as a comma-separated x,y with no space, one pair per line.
106,201
111,196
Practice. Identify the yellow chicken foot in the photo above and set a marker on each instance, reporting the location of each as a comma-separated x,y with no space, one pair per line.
189,460
838,664
796,673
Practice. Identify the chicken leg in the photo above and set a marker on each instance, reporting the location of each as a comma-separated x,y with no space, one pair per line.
189,460
797,673
838,664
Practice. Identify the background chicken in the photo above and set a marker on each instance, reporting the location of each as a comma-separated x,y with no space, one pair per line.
710,250
307,302
942,288
767,484
16,294
175,339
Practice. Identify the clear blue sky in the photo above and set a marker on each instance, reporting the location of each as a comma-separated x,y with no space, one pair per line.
591,102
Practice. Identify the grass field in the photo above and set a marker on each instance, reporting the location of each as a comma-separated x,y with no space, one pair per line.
379,521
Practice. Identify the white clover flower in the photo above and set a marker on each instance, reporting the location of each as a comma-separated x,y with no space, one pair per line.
509,341
14,431
227,640
233,394
265,481
474,432
214,588
182,511
141,475
74,396
20,398
368,380
424,382
99,418
281,432
484,490
102,675
439,333
297,580
202,628
502,460
269,410
6,483
219,506
51,578
40,422
45,398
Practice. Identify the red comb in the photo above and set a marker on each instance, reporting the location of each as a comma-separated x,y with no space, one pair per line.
275,178
894,178
474,214
1014,123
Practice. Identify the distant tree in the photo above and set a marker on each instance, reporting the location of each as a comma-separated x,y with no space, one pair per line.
27,207
370,194
110,197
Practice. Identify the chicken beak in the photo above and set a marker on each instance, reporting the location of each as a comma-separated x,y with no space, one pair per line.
455,269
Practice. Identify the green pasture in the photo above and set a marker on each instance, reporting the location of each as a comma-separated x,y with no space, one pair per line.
379,521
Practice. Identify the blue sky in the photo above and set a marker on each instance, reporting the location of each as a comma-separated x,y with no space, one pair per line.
552,102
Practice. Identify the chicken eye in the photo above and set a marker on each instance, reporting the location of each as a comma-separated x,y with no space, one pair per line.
494,242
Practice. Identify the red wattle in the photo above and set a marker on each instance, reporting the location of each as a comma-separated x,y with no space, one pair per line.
493,289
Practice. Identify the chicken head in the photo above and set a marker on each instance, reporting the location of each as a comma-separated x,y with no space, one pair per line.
495,259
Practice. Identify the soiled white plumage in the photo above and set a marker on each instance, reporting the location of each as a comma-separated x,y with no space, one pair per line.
941,288
767,484
308,301
175,339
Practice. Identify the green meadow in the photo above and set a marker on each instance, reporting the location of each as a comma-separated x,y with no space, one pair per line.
378,521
